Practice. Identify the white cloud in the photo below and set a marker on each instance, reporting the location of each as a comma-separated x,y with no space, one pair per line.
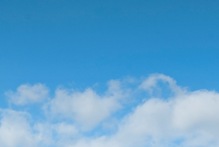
87,108
65,129
186,118
15,130
27,94
197,110
151,83
157,123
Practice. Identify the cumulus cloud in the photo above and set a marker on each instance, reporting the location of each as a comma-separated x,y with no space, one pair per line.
87,108
79,118
15,129
27,94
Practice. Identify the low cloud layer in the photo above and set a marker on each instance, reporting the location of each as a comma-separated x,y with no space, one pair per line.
153,112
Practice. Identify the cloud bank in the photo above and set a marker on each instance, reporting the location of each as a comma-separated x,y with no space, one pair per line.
152,112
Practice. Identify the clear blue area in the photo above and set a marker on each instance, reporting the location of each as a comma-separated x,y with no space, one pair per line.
78,43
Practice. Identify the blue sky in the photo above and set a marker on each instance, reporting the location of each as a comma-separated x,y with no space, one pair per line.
80,45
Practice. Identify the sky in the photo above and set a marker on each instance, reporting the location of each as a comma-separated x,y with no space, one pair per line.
117,73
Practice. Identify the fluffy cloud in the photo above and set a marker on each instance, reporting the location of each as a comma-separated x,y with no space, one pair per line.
87,118
15,129
27,94
86,108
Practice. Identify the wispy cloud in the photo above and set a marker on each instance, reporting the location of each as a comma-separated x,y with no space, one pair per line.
88,118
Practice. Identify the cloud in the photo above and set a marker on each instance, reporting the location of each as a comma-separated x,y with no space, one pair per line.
90,118
28,94
15,129
151,84
158,122
87,108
